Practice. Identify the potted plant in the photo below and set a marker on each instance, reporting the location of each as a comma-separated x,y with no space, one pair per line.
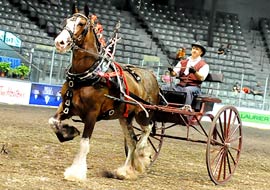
4,68
23,71
14,73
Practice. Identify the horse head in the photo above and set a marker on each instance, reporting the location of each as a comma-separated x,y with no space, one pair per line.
78,35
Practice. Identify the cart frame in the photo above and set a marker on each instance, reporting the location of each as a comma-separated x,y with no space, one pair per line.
224,139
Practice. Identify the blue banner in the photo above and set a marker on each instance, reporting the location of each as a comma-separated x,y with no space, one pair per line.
45,94
14,62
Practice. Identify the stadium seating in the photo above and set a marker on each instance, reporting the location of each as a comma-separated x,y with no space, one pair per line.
151,29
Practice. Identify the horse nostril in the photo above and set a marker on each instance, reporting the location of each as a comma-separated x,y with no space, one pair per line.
60,43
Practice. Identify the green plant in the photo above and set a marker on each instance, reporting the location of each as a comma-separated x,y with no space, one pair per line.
4,67
14,73
22,70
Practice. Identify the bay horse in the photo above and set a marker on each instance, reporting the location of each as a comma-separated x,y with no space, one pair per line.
98,88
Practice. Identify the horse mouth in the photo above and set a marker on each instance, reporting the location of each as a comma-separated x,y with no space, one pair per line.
62,49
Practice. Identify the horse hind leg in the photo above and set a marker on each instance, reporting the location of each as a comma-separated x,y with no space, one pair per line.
139,153
143,150
128,171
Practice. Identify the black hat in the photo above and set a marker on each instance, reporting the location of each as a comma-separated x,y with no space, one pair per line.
198,44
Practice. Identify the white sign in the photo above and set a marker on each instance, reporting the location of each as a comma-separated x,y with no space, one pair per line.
12,40
14,92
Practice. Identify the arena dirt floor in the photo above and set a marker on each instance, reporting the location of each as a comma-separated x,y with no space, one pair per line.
32,158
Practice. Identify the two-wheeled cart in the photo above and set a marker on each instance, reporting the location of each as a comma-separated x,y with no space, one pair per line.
224,138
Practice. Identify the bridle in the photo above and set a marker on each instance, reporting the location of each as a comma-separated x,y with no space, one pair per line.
84,32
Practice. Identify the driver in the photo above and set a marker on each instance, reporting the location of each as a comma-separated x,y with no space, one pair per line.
191,72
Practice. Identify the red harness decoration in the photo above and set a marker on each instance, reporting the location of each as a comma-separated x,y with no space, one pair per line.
99,29
125,83
120,72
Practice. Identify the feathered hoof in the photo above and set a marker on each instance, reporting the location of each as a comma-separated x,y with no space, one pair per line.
143,158
74,173
126,173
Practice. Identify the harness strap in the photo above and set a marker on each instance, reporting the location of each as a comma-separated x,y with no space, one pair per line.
67,104
125,83
108,75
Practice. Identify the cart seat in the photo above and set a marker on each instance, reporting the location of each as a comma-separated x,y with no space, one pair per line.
180,97
175,97
214,77
207,98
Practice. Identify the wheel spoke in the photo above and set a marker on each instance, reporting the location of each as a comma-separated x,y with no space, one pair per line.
221,137
234,118
215,142
155,137
234,139
231,156
235,130
225,125
224,144
217,149
221,129
229,124
152,144
219,164
229,163
216,160
236,149
224,164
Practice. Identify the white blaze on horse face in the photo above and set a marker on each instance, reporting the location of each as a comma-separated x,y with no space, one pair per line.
63,41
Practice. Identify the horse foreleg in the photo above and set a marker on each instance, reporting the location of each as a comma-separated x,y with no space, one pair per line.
64,132
78,170
128,171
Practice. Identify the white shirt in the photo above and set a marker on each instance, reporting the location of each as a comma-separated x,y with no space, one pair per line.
191,63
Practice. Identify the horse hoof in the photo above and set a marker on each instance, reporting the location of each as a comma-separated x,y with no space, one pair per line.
126,173
54,123
75,174
67,133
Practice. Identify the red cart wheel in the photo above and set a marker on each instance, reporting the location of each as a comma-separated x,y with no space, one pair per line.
155,140
224,145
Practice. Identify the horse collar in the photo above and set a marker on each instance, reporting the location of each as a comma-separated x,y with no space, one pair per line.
89,77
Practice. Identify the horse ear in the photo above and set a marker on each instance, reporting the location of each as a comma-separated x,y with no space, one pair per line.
74,8
86,10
